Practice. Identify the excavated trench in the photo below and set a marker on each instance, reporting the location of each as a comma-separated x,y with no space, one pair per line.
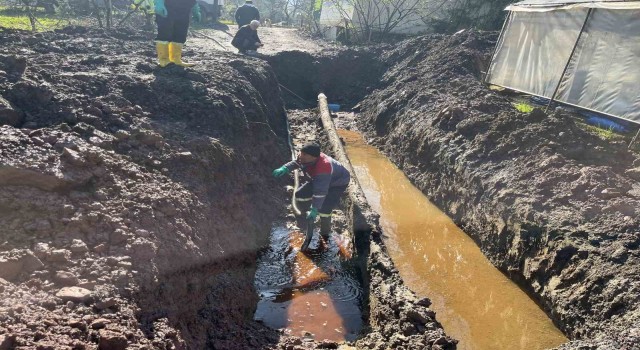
423,105
136,206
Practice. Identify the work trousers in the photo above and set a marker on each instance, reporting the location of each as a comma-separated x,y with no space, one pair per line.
175,26
245,45
304,196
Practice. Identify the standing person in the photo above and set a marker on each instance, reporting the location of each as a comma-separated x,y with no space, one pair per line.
246,39
172,19
329,180
246,13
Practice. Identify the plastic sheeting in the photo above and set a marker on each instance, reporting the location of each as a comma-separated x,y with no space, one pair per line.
603,74
551,5
534,50
336,13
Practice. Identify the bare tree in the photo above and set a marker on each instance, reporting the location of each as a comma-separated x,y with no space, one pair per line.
367,18
452,15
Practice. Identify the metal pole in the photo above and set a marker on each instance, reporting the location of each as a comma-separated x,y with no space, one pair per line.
566,67
634,139
495,50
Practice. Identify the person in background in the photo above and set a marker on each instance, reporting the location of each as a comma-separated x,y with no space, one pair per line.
246,13
246,39
329,180
172,18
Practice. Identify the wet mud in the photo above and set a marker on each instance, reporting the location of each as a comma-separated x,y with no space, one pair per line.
134,200
552,205
314,294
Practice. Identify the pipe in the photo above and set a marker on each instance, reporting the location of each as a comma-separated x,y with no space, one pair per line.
361,220
296,173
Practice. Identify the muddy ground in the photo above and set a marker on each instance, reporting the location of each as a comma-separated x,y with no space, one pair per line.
133,199
553,206
397,318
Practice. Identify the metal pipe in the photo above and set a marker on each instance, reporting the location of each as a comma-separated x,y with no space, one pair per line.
566,67
495,50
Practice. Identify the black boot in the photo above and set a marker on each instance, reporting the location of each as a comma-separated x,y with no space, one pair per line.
325,227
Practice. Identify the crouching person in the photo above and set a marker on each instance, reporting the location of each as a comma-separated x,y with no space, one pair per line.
246,39
329,180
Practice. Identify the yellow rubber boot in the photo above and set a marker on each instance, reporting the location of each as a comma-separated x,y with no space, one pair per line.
175,55
163,53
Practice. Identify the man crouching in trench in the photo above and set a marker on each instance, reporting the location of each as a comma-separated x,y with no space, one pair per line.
320,195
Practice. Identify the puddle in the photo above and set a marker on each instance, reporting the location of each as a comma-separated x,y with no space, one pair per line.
474,301
315,292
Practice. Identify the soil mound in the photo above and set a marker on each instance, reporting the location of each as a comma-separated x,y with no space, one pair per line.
134,199
552,205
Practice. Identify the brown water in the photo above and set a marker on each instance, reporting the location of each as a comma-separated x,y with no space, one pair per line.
312,292
474,301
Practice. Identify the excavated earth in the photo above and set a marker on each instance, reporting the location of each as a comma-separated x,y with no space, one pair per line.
134,200
553,206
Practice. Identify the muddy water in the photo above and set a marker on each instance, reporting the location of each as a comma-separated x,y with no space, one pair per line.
312,294
475,303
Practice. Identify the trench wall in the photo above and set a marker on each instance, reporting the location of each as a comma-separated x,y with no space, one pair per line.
551,204
133,199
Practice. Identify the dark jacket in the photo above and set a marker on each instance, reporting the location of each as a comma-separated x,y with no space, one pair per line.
246,13
326,172
245,39
179,4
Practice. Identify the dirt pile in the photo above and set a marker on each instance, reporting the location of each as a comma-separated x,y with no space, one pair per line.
134,199
346,75
552,205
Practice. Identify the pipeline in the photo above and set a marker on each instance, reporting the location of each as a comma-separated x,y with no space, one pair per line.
296,173
377,270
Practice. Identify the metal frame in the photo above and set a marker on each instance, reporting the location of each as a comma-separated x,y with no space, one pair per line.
635,122
498,43
573,51
553,97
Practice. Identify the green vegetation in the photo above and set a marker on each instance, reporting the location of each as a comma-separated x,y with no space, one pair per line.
605,134
19,19
523,107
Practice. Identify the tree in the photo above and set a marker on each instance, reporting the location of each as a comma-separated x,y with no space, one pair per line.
379,18
453,15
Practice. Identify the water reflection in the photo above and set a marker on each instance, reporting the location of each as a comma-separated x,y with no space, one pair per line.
474,301
312,292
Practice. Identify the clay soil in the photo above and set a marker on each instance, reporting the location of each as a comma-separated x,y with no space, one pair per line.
553,205
134,200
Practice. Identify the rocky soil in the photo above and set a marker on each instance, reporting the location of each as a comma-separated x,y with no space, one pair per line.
133,199
555,207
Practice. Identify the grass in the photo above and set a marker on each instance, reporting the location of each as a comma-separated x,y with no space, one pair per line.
523,107
605,134
18,19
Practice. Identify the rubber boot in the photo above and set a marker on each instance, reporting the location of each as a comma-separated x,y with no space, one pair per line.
162,47
325,227
175,55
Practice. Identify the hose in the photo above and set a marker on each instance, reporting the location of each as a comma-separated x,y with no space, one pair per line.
296,173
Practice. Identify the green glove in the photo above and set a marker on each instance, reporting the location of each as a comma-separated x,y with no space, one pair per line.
195,11
312,214
281,171
160,9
